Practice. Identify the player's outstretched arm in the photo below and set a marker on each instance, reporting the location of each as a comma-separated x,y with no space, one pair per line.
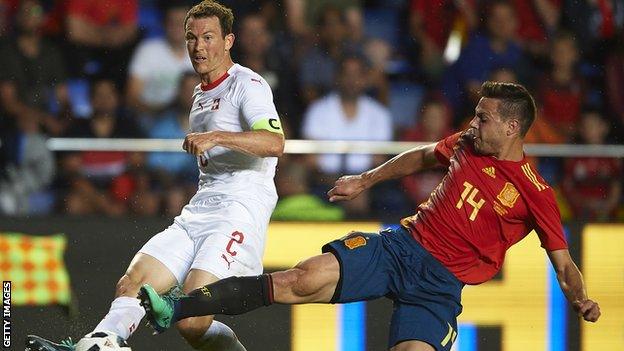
572,285
350,186
261,143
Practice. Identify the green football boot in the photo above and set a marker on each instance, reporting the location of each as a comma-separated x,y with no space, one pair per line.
159,309
36,343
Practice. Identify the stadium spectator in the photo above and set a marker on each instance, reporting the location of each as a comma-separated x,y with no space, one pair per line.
485,51
32,74
27,168
433,124
257,49
430,24
614,84
504,75
347,114
561,90
302,15
176,172
101,35
593,185
593,22
296,203
156,67
378,53
90,173
537,21
318,67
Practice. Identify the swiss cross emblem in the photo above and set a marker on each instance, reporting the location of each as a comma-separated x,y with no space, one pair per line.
215,104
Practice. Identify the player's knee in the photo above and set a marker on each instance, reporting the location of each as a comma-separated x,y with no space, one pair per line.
129,284
193,330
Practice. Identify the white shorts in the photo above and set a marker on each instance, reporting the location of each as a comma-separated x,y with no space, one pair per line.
224,237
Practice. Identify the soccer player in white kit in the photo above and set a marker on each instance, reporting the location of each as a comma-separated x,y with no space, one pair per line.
237,136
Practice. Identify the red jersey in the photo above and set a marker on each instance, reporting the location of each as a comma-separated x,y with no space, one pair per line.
481,208
102,13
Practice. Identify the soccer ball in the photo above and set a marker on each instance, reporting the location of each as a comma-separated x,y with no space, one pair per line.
102,341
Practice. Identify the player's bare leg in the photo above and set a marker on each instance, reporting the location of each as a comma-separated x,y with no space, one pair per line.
123,317
204,333
125,312
412,345
313,280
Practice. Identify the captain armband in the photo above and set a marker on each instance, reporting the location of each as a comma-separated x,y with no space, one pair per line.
271,124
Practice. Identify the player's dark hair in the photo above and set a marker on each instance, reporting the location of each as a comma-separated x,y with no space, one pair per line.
210,8
516,101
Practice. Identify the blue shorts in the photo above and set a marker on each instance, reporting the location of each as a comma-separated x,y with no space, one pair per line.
427,297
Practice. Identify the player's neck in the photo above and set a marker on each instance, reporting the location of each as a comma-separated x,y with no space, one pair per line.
217,73
512,151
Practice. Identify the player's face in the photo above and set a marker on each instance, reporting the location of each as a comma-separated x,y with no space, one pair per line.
487,128
207,48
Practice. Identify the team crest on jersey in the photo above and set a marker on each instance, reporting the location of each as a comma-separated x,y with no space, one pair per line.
508,195
355,241
491,171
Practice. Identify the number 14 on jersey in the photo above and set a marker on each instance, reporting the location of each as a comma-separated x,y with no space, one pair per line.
469,196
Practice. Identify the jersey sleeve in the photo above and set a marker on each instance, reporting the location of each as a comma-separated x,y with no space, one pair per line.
548,222
444,148
256,103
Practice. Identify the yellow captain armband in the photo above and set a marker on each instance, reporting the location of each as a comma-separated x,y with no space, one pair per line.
271,124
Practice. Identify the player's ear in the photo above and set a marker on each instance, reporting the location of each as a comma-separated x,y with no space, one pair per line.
229,41
513,127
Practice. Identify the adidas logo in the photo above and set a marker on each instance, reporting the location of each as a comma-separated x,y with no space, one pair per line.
490,171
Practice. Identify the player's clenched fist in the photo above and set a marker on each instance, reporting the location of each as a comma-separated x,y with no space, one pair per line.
347,188
198,143
588,309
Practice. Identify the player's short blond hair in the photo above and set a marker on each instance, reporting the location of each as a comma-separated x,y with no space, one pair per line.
210,8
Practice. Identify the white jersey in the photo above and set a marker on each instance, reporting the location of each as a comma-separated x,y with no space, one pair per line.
234,103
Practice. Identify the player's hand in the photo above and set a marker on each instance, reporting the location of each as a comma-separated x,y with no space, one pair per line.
347,188
588,309
198,143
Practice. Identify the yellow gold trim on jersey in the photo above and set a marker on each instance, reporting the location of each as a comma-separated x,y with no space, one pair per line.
528,172
491,171
509,195
406,221
499,209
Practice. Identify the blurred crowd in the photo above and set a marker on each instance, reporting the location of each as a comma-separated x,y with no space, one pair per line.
404,70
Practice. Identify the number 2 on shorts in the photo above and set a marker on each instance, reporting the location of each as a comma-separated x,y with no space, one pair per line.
237,237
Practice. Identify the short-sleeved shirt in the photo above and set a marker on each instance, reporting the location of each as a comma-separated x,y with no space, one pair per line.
325,120
157,66
236,102
482,207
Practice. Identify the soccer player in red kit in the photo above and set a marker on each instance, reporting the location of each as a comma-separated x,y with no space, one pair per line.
490,199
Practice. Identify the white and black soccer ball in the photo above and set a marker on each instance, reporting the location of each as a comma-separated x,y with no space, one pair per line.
102,341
